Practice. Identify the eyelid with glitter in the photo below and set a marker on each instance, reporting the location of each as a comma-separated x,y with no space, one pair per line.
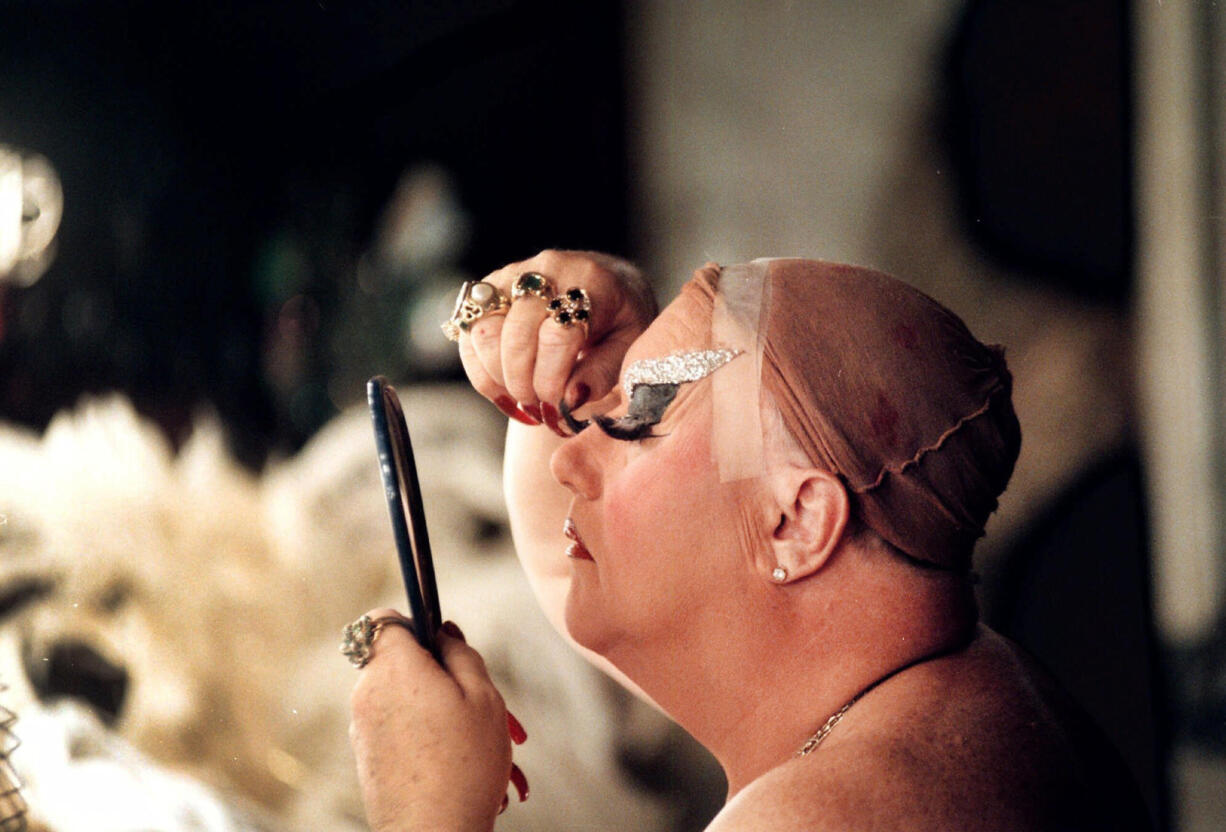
651,384
675,368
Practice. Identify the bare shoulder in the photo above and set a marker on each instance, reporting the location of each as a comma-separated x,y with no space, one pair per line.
979,740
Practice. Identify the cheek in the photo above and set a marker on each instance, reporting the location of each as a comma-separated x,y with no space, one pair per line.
660,501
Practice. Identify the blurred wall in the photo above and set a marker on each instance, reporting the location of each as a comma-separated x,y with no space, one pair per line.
821,130
771,128
791,129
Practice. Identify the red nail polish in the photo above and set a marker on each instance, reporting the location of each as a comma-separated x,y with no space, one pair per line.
452,629
532,410
506,801
551,416
518,735
507,405
520,782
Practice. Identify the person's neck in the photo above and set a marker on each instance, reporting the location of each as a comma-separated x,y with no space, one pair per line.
754,692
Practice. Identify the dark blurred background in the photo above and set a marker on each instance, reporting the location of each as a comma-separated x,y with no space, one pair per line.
227,168
265,203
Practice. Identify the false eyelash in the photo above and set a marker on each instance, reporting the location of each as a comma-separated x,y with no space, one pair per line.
576,426
627,428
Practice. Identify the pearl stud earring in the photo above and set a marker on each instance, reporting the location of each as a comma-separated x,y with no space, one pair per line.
779,574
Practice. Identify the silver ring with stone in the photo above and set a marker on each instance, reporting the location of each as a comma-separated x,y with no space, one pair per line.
532,284
359,636
571,307
476,300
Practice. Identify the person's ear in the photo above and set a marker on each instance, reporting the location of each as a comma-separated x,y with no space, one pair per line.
813,510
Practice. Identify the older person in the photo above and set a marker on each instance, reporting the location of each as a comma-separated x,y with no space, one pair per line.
758,510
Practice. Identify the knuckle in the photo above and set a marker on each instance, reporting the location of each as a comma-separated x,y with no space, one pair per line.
554,263
493,702
499,274
552,336
484,335
505,277
595,272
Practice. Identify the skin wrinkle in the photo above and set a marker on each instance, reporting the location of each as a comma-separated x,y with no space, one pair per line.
750,544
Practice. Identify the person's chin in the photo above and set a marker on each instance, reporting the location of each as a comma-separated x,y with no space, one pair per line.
586,625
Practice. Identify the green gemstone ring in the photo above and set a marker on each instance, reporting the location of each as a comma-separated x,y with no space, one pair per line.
532,283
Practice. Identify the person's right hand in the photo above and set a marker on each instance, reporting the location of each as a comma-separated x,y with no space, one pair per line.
527,364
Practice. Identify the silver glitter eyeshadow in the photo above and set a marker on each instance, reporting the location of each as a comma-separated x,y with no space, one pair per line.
676,368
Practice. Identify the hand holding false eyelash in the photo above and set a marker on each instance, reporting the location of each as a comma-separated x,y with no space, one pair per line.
531,359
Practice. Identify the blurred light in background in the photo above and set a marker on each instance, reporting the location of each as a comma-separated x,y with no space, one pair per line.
31,204
386,315
1177,321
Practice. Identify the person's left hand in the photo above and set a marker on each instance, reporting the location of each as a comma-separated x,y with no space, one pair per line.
431,743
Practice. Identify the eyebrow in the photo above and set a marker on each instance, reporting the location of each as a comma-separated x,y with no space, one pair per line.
675,368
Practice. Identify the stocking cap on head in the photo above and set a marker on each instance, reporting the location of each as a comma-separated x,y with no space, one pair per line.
879,384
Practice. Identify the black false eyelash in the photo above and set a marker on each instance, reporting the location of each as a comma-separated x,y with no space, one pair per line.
628,428
646,409
576,427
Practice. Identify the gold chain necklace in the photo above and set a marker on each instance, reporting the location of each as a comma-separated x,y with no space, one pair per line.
815,739
820,734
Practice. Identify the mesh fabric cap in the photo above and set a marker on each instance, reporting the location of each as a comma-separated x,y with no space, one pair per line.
888,389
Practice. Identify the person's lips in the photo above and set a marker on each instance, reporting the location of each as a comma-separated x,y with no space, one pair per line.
576,550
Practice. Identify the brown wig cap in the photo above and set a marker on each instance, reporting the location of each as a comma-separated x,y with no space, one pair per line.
886,388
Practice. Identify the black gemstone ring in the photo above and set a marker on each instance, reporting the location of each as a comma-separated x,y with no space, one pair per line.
571,307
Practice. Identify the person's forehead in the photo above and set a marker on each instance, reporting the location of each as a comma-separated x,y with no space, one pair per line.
684,325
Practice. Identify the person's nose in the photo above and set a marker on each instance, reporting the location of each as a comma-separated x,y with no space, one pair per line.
575,464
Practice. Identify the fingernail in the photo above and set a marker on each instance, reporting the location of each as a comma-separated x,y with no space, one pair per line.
582,391
520,782
532,410
551,416
452,629
518,735
507,405
505,802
